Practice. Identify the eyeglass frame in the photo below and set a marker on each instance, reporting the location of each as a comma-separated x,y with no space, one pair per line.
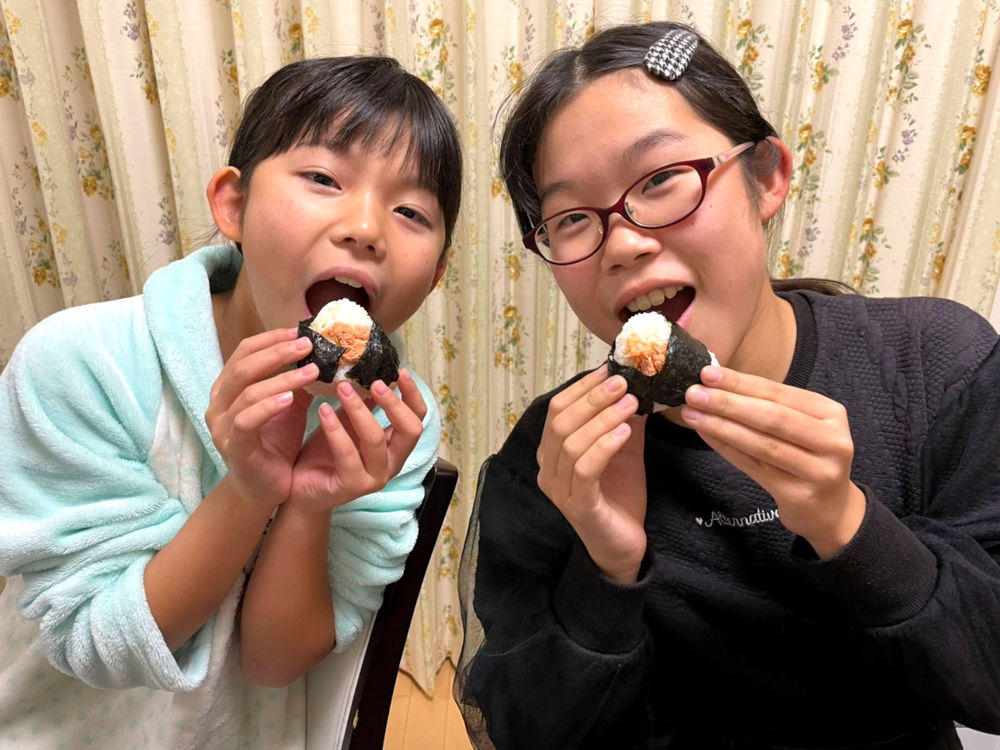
703,167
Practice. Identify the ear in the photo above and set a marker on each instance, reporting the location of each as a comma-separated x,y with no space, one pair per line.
226,200
439,271
773,187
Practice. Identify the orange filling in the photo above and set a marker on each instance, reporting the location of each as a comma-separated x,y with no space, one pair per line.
354,338
646,357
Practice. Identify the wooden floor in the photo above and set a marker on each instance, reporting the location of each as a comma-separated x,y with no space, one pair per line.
417,722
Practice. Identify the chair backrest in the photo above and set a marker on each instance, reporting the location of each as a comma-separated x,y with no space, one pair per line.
349,694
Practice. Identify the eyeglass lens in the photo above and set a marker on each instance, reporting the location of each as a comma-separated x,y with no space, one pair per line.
658,199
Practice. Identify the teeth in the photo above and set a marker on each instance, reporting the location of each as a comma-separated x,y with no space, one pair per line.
349,282
653,298
642,302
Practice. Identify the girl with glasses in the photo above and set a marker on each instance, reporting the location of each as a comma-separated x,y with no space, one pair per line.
805,553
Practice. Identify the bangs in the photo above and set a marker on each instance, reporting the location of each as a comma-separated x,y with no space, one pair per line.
369,102
381,134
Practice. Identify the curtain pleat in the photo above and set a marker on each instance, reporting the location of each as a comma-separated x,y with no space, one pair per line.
115,114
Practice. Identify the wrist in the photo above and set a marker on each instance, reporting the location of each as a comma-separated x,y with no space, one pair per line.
254,498
229,492
304,519
621,571
619,566
846,527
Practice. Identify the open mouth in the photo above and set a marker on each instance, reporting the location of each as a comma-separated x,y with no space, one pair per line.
670,307
337,288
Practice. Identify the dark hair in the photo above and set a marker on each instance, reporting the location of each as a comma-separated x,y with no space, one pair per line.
823,286
340,101
711,85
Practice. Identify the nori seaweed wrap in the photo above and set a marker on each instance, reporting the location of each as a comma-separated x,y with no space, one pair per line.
678,358
379,359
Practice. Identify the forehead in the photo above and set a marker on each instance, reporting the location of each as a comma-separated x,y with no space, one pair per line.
612,124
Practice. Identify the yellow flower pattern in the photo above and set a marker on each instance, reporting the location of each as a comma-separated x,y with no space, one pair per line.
865,130
750,39
982,80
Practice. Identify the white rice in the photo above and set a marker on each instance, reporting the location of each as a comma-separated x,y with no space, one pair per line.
651,328
344,311
341,311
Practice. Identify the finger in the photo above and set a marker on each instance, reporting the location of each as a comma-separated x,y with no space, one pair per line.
760,415
771,478
290,380
762,447
558,456
579,489
405,426
369,435
243,433
754,386
252,406
827,435
256,358
411,394
566,418
341,443
576,391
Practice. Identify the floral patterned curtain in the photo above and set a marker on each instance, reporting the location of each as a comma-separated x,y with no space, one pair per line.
115,113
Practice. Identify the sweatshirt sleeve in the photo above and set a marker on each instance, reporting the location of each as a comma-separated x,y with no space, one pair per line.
371,537
80,509
555,654
925,586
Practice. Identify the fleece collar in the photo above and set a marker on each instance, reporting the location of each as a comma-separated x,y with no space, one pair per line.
178,304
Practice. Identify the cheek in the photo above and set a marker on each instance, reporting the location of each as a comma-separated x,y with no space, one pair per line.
582,291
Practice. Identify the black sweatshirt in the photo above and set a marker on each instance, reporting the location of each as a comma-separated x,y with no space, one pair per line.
736,632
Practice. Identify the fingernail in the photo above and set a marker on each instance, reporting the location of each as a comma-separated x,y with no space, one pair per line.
379,388
711,374
696,395
310,370
345,390
325,410
691,415
626,402
283,398
613,384
302,343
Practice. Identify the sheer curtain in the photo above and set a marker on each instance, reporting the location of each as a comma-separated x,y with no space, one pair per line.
115,113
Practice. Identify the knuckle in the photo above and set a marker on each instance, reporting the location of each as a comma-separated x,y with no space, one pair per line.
558,427
573,448
241,423
771,447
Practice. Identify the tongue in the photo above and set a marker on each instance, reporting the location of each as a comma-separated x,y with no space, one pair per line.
326,291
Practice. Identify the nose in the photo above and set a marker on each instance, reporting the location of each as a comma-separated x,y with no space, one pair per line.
626,243
360,223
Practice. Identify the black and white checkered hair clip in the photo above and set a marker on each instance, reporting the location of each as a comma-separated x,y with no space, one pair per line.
668,58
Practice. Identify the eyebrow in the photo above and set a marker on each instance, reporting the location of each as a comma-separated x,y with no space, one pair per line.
633,151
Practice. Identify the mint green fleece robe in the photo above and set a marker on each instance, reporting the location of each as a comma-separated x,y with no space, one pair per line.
106,453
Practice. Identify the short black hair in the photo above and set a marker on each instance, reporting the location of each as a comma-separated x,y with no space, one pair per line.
710,84
340,101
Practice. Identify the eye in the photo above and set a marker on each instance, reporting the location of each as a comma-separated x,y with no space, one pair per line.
321,179
568,220
413,214
659,179
568,225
